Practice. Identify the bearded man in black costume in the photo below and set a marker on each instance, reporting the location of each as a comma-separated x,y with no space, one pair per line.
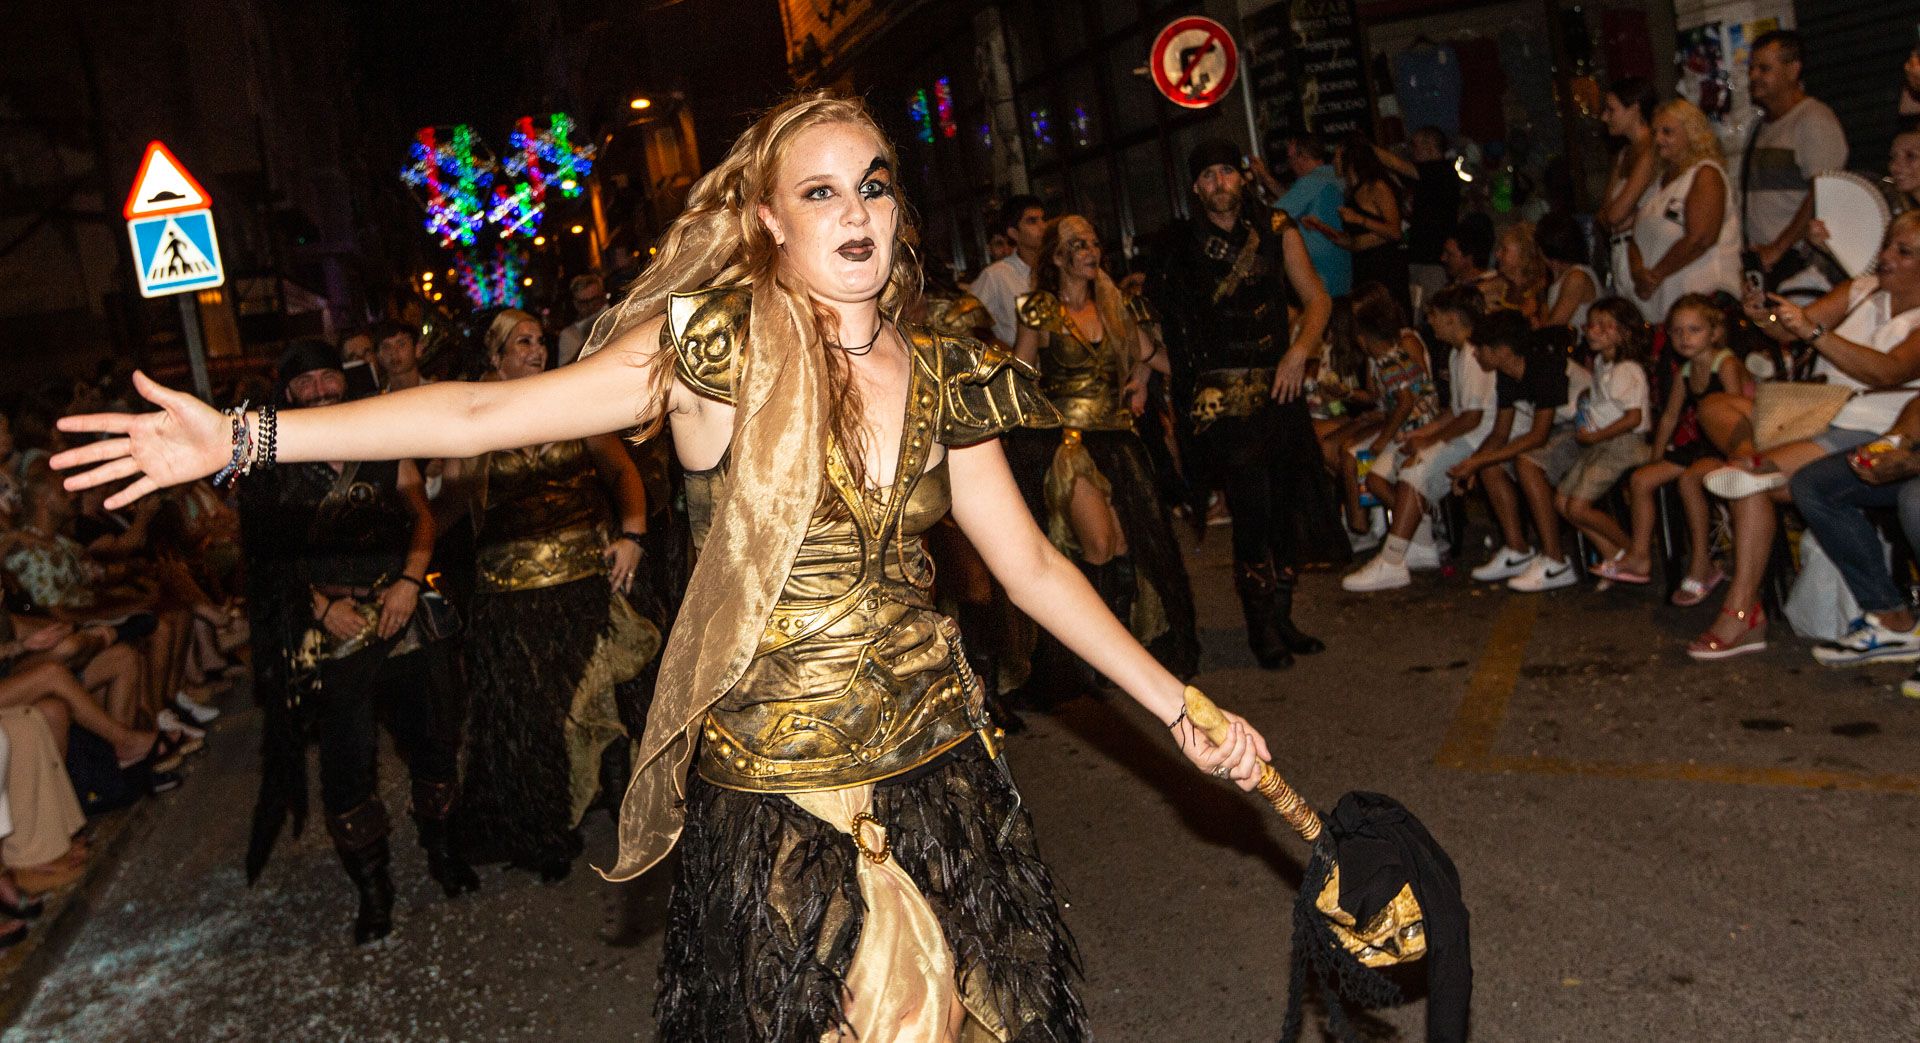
337,559
1244,313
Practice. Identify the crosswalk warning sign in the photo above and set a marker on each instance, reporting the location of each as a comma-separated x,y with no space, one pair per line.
175,253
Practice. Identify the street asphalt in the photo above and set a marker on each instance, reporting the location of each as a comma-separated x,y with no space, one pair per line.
1652,849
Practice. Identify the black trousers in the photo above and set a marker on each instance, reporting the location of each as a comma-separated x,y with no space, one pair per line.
360,692
1277,487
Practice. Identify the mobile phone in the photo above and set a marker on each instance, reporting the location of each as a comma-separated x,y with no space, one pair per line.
360,380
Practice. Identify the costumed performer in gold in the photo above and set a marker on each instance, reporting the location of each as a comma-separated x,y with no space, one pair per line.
854,860
554,650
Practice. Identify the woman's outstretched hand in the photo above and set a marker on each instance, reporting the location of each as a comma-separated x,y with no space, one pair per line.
185,440
1238,760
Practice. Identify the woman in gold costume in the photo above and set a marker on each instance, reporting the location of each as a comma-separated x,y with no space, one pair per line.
1104,509
854,858
554,649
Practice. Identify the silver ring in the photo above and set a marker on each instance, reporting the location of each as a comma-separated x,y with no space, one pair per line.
1220,772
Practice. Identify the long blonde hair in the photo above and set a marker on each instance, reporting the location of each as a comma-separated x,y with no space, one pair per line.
719,240
1702,144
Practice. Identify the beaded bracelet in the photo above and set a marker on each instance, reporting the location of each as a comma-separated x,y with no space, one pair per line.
238,415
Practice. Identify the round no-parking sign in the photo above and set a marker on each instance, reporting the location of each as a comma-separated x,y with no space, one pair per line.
1194,62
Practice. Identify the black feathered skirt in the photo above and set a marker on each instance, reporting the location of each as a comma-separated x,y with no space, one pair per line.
539,663
766,910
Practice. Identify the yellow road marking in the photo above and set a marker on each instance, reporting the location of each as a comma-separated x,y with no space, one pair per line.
1471,735
1468,744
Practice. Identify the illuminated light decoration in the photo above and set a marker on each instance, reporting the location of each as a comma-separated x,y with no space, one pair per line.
918,112
1081,123
450,176
943,107
548,155
1040,122
516,210
640,103
986,134
539,240
492,278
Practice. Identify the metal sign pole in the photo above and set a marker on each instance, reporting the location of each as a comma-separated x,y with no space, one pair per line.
196,350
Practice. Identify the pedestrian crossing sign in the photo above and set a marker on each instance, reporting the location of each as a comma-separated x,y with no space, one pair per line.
175,252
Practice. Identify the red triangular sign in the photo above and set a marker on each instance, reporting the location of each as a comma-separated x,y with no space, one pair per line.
163,186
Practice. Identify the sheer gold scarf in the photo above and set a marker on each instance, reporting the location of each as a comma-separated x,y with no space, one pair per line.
778,459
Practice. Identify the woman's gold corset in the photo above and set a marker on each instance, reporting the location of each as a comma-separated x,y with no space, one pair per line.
542,517
854,679
1085,381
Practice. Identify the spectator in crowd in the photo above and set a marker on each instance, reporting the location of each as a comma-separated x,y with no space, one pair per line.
1572,285
1796,138
998,246
1434,213
1686,237
1412,474
1318,194
1401,386
1370,222
1023,220
1833,495
1612,428
1867,334
357,346
1628,114
1467,257
1705,368
1902,186
1521,273
1534,387
39,814
590,301
397,346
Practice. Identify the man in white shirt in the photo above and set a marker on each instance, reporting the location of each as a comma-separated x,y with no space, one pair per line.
1798,138
589,293
1024,221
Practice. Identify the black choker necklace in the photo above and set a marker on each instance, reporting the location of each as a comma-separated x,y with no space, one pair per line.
871,341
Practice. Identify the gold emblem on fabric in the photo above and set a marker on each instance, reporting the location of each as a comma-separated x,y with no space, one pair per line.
542,561
1395,934
1222,393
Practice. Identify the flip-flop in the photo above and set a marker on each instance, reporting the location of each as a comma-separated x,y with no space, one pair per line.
1614,571
1693,591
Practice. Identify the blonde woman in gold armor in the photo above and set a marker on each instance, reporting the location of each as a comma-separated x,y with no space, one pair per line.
554,651
1103,508
853,859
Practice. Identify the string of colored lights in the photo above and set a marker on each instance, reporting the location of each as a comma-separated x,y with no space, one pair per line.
450,177
491,278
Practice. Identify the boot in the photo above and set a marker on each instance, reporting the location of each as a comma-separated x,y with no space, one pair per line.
360,838
432,807
1118,585
1297,641
1258,587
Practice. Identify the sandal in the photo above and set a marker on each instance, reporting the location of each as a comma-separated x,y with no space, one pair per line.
1693,591
1709,646
1612,569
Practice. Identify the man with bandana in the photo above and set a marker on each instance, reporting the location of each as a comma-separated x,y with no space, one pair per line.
338,556
1244,313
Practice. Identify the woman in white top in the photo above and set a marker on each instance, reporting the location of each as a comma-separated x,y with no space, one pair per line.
1867,332
1572,286
1628,114
1686,236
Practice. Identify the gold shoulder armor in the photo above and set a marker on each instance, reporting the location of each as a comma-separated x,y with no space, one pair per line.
1281,220
1141,311
705,329
1040,310
984,389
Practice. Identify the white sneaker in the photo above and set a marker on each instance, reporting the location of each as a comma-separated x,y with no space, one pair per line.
1422,557
1424,534
1732,483
1544,573
1505,564
201,713
1377,574
168,721
1869,642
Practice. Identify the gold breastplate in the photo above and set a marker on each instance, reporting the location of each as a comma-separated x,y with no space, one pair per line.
1084,380
853,679
542,518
